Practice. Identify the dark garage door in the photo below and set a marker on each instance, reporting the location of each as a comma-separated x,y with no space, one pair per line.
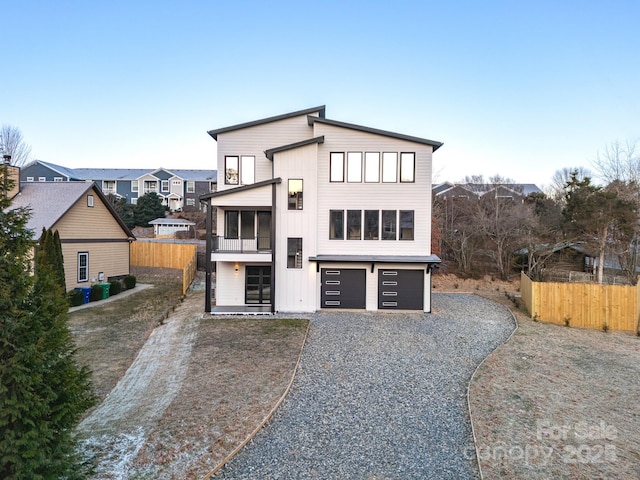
343,288
400,289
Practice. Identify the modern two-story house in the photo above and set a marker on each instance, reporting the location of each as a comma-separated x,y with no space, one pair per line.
317,214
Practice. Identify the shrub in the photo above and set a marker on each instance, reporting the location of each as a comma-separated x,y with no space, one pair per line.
605,327
129,281
96,293
115,287
75,297
567,321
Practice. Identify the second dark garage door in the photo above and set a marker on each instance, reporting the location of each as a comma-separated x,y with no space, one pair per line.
343,288
401,289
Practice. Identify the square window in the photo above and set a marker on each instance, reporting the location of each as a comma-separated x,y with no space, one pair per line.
372,167
408,167
336,167
406,224
336,225
295,195
294,253
388,225
354,167
191,202
231,170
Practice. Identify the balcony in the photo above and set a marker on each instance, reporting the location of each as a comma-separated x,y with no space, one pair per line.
241,245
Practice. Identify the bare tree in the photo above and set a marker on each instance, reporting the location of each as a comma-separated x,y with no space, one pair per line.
12,143
560,179
619,161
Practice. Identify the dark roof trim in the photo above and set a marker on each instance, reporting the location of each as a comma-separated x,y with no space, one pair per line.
269,153
430,259
240,189
400,136
320,110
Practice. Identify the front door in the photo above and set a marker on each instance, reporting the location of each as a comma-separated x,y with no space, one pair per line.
258,289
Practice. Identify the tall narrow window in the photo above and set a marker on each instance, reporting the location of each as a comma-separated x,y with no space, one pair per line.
191,186
336,167
388,225
371,224
354,167
89,200
134,185
231,170
231,225
406,224
247,224
389,167
83,266
247,169
354,224
295,194
336,225
372,167
407,167
294,253
164,186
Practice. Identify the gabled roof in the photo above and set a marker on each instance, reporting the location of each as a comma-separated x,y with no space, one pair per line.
312,120
243,188
197,175
170,221
319,110
64,171
111,173
479,189
50,201
269,153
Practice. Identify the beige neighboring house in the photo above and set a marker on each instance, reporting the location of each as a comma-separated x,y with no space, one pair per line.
95,241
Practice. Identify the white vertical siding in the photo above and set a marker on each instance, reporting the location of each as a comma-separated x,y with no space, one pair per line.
255,140
373,196
296,288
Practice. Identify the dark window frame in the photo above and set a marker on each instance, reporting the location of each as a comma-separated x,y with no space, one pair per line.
366,170
227,224
354,223
389,222
248,223
382,177
342,160
413,167
370,233
333,234
229,180
359,160
294,252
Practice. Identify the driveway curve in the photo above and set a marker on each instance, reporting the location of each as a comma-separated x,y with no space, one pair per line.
380,396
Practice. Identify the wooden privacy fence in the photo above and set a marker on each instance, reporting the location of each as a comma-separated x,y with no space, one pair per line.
583,304
167,255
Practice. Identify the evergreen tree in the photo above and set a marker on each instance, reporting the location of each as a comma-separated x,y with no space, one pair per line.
59,264
43,392
149,208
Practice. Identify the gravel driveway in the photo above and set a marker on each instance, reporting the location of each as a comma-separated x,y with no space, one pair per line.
380,396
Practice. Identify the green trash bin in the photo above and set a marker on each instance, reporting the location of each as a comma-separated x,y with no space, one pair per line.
105,289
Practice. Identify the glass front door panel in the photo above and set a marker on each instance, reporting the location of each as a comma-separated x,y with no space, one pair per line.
258,288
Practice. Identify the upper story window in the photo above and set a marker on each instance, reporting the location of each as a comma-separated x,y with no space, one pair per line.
191,186
89,200
336,167
150,186
212,186
389,167
295,194
354,224
42,179
176,182
239,170
371,224
294,253
164,186
58,179
388,224
108,186
134,185
372,167
408,167
29,179
354,167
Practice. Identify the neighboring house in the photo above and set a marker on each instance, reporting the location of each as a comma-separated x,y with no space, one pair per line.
178,189
168,227
516,191
316,214
95,241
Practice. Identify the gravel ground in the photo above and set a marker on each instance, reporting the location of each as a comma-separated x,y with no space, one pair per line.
381,396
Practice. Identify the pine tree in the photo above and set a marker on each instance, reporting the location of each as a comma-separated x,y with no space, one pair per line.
43,392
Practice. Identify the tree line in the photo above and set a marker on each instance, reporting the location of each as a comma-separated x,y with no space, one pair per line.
500,229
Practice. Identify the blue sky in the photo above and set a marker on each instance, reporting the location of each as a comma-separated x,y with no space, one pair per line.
518,88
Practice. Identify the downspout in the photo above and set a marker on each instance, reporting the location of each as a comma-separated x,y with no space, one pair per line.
207,297
273,248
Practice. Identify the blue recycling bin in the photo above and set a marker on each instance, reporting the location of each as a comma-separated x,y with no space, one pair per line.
86,293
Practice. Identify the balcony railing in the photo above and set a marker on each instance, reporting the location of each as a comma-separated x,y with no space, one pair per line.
241,245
